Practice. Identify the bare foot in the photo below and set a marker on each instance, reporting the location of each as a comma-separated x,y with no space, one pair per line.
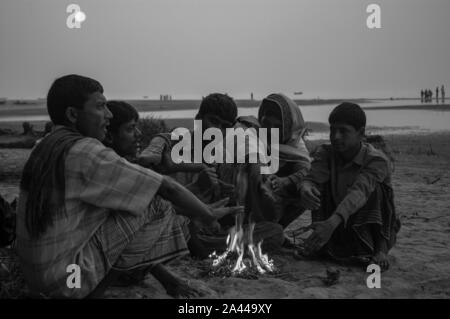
381,259
380,256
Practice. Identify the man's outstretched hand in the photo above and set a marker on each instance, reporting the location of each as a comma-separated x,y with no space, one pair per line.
218,210
322,232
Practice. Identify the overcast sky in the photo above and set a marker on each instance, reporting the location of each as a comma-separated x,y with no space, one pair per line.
189,48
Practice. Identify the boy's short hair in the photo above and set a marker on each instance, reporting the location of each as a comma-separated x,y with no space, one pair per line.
219,105
122,112
70,90
348,113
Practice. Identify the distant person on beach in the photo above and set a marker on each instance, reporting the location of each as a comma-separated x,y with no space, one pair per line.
82,204
349,190
443,94
430,95
47,130
437,94
28,129
422,95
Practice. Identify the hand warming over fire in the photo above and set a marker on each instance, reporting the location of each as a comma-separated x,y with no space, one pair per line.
278,184
219,210
322,233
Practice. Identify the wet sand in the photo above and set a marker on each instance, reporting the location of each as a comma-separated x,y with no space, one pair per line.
420,262
429,107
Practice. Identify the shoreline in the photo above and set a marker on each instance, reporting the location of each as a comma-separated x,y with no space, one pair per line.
39,108
422,107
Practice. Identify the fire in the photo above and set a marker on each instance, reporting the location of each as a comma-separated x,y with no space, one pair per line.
250,260
249,256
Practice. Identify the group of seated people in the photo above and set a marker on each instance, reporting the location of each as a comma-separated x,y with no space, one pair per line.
90,196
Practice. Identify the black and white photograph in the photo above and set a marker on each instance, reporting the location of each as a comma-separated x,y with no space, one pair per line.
232,150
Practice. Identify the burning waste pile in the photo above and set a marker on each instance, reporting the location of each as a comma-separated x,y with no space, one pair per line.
242,258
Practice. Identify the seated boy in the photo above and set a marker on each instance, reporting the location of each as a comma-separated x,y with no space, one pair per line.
216,110
349,190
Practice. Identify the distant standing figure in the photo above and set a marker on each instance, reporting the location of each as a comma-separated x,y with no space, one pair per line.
47,130
422,94
437,94
443,94
28,129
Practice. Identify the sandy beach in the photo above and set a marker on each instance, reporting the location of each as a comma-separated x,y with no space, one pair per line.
420,262
295,66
